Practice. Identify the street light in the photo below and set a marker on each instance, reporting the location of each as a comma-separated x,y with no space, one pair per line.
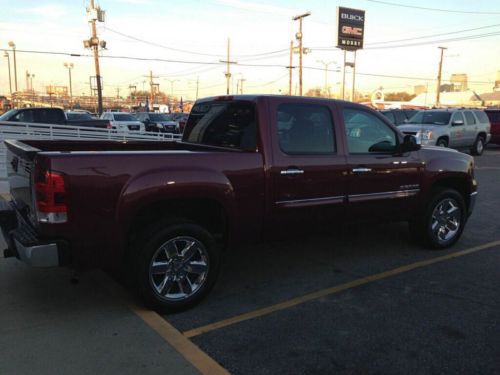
326,64
70,66
13,46
6,54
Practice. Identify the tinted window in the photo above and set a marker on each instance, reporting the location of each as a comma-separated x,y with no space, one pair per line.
224,124
409,113
158,117
124,117
364,130
50,116
24,116
6,116
78,116
470,118
400,117
457,116
431,117
305,129
390,116
481,116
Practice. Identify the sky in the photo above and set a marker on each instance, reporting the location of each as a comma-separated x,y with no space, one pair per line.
194,34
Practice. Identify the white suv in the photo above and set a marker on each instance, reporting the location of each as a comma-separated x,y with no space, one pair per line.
123,121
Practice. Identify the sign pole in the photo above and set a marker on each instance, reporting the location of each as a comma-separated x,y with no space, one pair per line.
353,78
343,77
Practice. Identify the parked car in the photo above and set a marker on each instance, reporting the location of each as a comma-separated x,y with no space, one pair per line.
157,122
53,116
123,121
398,116
494,116
181,119
160,213
456,128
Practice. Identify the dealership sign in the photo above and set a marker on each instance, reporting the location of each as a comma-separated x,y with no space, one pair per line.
351,28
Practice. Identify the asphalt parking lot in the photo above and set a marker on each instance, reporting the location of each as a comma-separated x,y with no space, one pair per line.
297,308
355,300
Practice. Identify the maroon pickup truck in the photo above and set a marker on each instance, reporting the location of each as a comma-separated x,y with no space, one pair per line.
248,167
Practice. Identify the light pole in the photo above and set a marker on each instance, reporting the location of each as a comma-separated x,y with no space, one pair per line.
172,81
326,64
13,46
70,66
6,54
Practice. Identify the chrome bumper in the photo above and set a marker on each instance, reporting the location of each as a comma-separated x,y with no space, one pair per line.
23,242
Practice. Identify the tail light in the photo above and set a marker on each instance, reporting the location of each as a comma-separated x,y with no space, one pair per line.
51,198
109,126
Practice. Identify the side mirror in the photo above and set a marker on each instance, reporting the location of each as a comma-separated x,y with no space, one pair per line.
457,123
409,144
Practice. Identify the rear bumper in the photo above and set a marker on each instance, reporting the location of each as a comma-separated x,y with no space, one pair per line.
24,243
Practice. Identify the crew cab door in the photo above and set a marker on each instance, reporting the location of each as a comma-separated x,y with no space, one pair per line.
308,171
381,183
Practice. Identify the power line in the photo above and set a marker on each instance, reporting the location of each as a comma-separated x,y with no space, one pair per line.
432,9
218,64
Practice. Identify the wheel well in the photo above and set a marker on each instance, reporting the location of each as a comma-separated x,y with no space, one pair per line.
444,137
482,135
207,213
455,183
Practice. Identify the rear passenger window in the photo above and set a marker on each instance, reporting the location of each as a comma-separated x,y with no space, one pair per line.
470,118
400,117
49,116
481,116
25,116
305,129
230,124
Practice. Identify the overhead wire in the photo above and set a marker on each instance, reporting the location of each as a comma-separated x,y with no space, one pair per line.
434,9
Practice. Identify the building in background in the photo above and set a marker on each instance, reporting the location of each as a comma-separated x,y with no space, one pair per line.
459,82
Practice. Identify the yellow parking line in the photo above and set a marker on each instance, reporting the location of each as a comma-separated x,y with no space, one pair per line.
336,289
199,359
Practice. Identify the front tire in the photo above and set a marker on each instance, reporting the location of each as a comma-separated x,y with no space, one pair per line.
176,265
443,221
442,142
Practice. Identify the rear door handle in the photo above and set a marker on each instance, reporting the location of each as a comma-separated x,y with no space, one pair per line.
291,171
361,170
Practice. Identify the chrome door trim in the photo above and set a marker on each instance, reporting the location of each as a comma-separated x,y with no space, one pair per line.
361,170
311,202
292,171
382,195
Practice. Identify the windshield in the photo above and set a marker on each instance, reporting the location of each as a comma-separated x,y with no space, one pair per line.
7,114
158,117
431,117
124,117
78,116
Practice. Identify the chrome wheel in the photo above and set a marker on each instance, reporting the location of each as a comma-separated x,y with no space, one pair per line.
179,268
446,220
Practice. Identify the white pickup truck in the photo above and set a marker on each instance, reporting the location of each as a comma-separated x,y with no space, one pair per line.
456,128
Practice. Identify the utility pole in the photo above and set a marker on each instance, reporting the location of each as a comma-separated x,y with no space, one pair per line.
27,81
96,14
326,64
13,46
151,89
132,89
117,93
299,37
6,54
70,66
241,85
438,91
228,69
290,67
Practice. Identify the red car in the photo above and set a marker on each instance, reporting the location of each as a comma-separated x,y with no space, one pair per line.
494,116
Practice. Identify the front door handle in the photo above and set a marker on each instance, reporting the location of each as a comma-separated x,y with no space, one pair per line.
361,170
291,171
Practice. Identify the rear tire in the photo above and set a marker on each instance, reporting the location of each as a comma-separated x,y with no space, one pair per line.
478,146
443,222
175,265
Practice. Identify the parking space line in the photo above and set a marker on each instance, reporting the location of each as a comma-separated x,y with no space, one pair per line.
332,290
194,355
